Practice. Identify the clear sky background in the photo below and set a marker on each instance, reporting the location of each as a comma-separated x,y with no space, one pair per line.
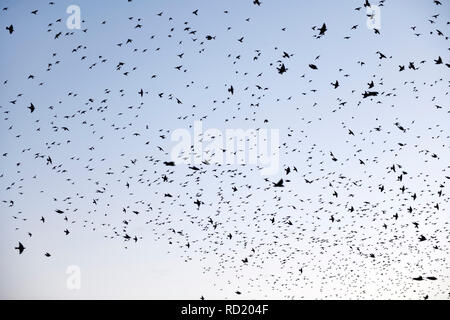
302,104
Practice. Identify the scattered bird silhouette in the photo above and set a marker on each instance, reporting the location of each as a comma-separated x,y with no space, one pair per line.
10,29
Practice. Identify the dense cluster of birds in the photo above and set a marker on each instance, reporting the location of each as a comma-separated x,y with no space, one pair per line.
364,221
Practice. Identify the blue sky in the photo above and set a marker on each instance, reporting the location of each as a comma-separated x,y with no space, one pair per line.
311,124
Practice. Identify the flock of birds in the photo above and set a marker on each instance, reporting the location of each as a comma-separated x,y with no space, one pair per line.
370,217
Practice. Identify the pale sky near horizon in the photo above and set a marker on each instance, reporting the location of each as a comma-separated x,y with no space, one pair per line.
107,134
